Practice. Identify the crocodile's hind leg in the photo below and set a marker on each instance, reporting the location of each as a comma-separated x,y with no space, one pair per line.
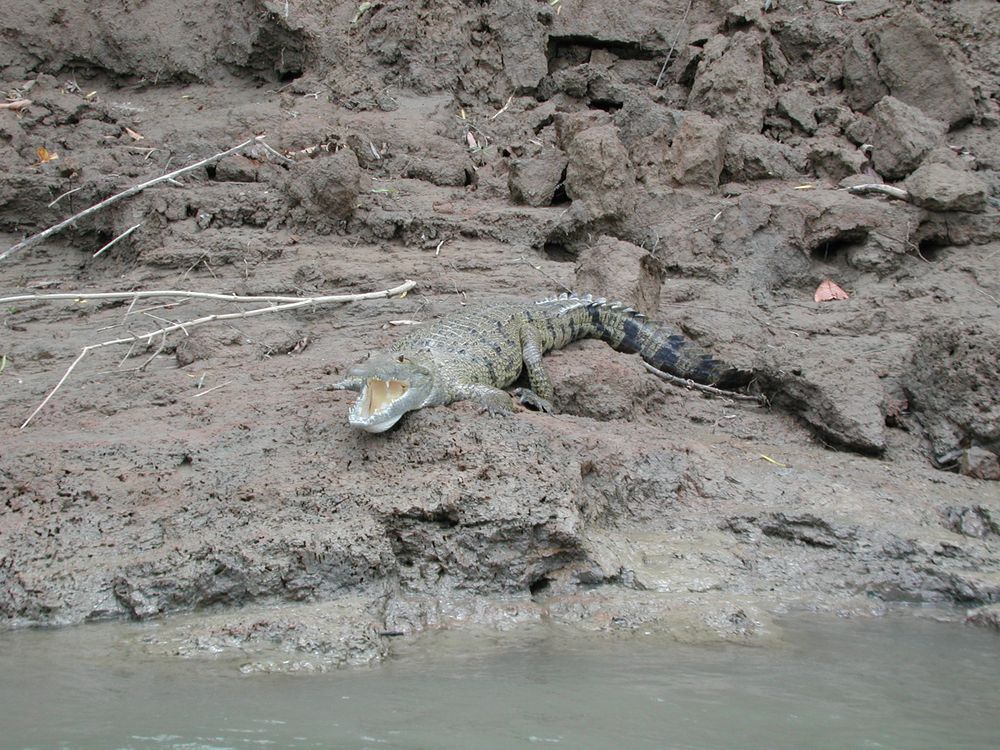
539,396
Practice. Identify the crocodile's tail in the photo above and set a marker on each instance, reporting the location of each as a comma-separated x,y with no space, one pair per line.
664,348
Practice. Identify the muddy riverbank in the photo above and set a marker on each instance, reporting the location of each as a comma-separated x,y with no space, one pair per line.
499,151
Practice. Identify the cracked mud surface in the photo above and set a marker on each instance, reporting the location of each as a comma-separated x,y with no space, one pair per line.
143,493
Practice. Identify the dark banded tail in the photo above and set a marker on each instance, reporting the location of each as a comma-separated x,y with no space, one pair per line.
662,347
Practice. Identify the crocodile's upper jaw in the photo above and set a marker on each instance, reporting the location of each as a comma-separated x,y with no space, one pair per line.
387,389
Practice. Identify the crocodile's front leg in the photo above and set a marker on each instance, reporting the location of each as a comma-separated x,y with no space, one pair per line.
493,400
539,396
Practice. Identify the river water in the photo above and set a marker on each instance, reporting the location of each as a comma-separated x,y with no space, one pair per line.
893,682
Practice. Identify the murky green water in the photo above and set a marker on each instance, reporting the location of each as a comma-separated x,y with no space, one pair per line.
890,683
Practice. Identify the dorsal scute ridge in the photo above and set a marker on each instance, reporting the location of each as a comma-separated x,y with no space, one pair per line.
590,300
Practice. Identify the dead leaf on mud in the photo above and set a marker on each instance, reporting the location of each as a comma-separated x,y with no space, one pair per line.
45,156
828,291
134,135
471,139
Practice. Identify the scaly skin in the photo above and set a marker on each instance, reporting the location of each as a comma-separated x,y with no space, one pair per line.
476,353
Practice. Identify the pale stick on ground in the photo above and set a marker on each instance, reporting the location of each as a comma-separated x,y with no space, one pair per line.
36,238
121,236
880,189
187,325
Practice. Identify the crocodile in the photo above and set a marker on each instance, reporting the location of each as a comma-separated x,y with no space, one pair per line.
477,353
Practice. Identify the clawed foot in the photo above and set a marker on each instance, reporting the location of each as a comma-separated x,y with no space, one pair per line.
496,405
533,401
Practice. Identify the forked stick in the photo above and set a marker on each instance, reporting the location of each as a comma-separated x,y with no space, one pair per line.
685,383
187,325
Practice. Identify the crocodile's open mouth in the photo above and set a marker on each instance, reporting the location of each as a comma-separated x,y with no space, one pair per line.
378,395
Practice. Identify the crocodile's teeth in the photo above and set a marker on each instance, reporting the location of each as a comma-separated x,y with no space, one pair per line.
379,394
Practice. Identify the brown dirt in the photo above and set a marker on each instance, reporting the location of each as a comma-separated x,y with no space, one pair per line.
712,202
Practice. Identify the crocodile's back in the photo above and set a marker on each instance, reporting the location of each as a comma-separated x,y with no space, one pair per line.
480,345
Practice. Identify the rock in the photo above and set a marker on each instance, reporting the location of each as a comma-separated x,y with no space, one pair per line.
916,68
860,130
599,175
236,168
617,394
730,82
756,157
445,172
570,124
522,37
534,180
833,159
800,108
976,521
988,617
953,385
622,272
841,400
640,118
698,151
980,463
938,187
746,13
327,186
862,84
903,135
903,57
774,59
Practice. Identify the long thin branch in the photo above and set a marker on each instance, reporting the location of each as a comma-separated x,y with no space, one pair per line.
36,238
186,325
144,294
685,383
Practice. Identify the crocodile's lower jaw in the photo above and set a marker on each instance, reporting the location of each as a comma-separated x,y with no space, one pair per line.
378,426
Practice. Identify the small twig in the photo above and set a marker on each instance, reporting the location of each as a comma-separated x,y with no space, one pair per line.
274,152
673,44
68,192
17,104
537,268
36,238
685,383
121,236
148,337
503,109
209,390
154,355
878,188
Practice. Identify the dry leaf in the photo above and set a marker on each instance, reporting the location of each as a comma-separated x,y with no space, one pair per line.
44,155
133,135
828,291
471,139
